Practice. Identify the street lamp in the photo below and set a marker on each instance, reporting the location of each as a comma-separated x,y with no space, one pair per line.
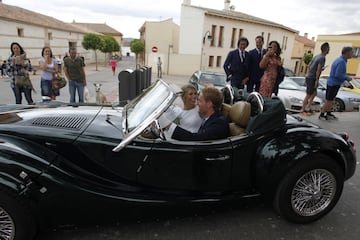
168,63
209,37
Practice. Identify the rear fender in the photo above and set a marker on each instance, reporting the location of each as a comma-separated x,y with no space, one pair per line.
278,155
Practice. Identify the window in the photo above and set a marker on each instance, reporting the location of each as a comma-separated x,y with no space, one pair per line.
20,32
213,34
241,31
218,61
268,39
50,36
232,44
221,31
356,52
211,61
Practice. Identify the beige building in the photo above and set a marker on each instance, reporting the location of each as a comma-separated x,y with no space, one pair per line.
161,40
302,45
337,42
207,35
33,31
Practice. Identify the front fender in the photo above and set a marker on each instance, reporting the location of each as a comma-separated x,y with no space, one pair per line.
278,155
21,163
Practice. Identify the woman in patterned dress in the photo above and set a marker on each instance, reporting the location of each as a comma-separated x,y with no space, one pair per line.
270,63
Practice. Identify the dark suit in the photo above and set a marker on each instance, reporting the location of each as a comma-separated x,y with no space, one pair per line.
215,127
236,67
255,72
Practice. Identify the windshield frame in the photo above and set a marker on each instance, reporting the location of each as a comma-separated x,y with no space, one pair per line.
144,109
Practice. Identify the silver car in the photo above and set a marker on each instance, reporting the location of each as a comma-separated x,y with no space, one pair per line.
292,95
344,101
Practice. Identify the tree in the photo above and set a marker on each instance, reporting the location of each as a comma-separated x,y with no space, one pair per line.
109,45
307,59
137,47
94,42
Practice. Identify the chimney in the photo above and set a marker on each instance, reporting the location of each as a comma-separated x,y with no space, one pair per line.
313,39
306,35
187,2
227,5
232,8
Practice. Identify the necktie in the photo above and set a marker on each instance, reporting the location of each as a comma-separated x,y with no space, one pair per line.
242,56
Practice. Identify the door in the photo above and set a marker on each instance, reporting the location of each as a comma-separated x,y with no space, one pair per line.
195,166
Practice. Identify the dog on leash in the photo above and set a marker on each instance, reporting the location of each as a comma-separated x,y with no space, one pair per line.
100,97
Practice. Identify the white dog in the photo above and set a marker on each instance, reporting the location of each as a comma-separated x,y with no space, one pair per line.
100,97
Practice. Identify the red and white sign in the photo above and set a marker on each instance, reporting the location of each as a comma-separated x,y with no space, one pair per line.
154,49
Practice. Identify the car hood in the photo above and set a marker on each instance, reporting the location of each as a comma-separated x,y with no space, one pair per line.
65,122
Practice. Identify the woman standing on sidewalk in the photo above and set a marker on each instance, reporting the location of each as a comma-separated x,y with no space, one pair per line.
20,66
48,66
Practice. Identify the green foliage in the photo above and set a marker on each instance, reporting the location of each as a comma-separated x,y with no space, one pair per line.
137,46
92,41
308,57
109,44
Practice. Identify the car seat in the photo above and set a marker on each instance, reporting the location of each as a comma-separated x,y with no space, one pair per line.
239,114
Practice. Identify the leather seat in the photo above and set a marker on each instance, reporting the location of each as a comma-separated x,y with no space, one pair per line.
239,114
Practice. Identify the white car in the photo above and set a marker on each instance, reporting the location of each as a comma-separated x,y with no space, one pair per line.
292,95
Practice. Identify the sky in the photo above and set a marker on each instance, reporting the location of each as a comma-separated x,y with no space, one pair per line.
315,17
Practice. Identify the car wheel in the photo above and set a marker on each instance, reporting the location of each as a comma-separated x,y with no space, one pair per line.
309,190
338,106
16,222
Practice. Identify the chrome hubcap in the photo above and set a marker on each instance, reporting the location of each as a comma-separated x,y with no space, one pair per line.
7,227
313,192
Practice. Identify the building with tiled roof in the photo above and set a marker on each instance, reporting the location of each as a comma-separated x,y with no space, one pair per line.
33,31
102,28
302,45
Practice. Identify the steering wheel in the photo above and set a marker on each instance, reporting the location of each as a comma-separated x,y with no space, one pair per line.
256,98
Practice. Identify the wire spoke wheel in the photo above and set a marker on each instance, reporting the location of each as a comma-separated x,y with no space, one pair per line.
7,226
313,192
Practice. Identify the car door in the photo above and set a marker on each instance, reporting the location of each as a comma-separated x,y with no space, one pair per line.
194,166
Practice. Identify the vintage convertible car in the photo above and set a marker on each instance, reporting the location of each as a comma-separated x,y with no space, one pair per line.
73,157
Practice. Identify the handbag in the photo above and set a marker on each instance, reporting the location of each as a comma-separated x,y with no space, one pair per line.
58,82
22,81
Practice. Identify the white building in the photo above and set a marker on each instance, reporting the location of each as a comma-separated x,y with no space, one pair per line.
207,35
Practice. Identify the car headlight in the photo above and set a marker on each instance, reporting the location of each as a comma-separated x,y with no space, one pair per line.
296,100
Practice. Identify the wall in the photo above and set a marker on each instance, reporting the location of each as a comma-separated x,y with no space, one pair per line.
337,42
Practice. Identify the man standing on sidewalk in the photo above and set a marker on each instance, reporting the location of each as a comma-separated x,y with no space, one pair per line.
75,73
316,66
337,77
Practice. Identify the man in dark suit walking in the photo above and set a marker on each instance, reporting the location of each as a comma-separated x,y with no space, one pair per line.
214,126
255,72
236,64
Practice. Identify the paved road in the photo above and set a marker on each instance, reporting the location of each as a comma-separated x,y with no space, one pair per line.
246,219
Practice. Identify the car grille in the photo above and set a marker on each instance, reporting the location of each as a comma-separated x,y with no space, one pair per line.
65,122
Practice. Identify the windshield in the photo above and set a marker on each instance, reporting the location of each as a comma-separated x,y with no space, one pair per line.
216,79
356,83
147,104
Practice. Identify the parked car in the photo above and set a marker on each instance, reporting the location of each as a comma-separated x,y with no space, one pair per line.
289,72
203,78
292,96
353,85
344,101
61,158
